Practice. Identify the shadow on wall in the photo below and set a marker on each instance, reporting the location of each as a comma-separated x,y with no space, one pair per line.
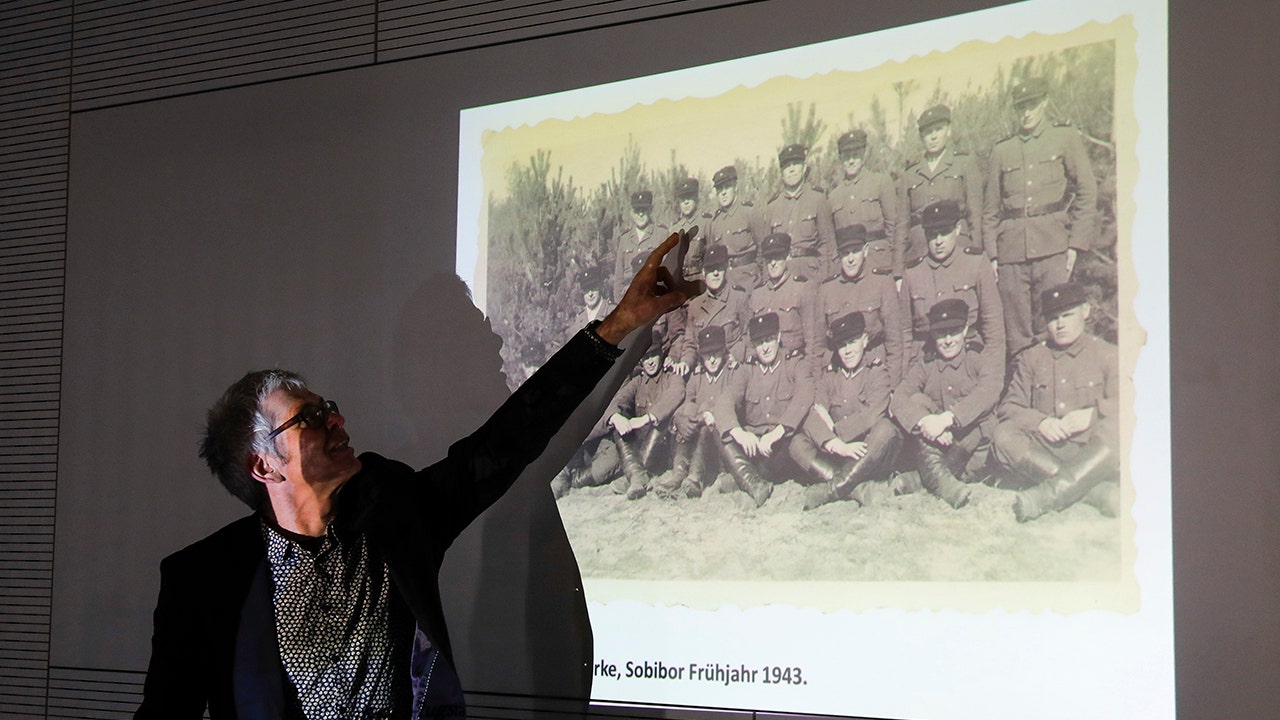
511,587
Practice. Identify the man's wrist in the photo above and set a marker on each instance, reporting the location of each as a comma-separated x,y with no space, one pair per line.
603,345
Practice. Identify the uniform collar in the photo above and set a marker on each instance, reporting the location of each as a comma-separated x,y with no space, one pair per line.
945,263
1074,349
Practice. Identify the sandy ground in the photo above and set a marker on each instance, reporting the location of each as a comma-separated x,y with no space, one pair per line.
916,537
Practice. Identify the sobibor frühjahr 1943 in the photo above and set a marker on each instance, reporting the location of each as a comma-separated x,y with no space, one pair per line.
704,672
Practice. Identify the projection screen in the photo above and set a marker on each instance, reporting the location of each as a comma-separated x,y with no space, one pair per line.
900,607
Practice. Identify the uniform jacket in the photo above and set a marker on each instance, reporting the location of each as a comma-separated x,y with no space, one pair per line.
968,385
725,308
877,299
701,394
760,398
740,228
955,177
626,245
854,400
1042,196
805,215
964,276
697,243
794,300
659,396
1051,382
870,200
214,638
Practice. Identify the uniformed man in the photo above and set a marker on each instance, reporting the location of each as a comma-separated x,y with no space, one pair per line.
946,403
789,295
867,197
720,305
802,212
1041,209
738,226
764,405
942,174
946,272
668,331
640,238
1059,429
594,307
642,410
848,439
689,219
697,458
856,288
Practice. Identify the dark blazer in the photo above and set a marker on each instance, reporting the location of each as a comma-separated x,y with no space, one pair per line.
214,637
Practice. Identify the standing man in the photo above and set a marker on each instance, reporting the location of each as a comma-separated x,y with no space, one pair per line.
1059,429
802,213
848,438
946,272
1041,209
789,296
721,305
942,174
761,410
856,289
738,226
696,462
689,221
639,239
946,403
325,603
867,198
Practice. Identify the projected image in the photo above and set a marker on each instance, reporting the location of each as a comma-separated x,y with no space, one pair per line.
906,365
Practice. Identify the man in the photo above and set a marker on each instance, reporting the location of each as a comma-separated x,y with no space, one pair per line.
789,296
856,289
638,239
641,411
942,174
1059,428
761,410
690,221
738,226
867,198
1041,209
591,284
696,460
246,622
720,305
948,273
945,404
802,213
848,439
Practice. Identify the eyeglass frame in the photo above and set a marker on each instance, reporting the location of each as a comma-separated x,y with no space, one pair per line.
319,413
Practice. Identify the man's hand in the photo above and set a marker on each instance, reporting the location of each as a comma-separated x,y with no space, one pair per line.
1051,429
680,368
620,424
768,439
653,292
932,426
1077,421
708,419
747,440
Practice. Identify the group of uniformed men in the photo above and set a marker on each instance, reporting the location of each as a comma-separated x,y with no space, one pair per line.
837,324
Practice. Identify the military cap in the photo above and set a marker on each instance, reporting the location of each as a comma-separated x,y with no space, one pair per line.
845,329
1025,89
933,116
642,200
763,327
852,143
777,245
727,175
711,340
793,153
850,238
687,188
1060,298
654,349
940,218
715,258
590,279
948,315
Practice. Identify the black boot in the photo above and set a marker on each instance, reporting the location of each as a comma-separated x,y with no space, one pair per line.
749,481
637,476
1067,486
670,487
693,483
937,477
826,490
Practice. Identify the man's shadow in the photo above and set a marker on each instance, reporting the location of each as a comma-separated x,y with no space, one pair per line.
511,586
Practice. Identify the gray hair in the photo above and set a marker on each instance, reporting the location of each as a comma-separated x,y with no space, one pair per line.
237,427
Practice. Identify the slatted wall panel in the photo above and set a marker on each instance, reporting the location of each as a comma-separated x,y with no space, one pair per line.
412,28
35,72
93,694
126,50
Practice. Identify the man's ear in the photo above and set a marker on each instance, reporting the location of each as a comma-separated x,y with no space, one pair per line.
263,469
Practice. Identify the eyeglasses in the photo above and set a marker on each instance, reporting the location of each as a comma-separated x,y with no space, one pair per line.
311,415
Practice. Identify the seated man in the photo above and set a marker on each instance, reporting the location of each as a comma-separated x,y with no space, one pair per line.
945,403
848,438
642,408
696,461
1059,428
762,408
